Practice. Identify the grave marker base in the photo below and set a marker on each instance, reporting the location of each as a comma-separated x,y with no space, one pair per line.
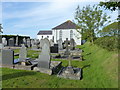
70,73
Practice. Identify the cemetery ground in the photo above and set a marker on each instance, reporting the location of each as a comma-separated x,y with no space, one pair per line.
99,70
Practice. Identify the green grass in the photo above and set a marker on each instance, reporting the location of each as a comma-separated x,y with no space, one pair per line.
30,53
100,70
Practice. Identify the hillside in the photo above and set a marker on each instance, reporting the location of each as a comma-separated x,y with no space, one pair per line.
100,70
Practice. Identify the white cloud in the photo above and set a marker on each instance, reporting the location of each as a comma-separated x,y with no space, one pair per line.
44,16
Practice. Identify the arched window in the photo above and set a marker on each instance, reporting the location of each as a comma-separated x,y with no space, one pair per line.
71,34
60,34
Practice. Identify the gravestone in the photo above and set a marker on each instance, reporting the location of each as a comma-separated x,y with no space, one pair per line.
11,42
4,41
47,42
67,52
60,44
72,44
34,44
7,57
24,41
23,53
54,49
1,46
51,43
16,41
28,42
70,72
41,43
44,57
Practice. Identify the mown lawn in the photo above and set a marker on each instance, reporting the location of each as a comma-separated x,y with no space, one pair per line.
100,70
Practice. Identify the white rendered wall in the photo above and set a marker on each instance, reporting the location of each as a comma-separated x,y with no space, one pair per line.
44,36
66,34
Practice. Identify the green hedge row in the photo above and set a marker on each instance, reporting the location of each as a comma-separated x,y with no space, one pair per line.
109,43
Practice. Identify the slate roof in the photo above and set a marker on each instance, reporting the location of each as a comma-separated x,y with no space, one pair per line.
45,32
66,25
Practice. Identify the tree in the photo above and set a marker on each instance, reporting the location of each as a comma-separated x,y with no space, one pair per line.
111,5
1,28
89,19
110,30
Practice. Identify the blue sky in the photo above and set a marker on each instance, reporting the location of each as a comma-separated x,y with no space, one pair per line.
27,18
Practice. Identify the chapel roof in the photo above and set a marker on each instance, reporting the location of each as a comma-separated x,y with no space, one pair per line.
66,25
45,32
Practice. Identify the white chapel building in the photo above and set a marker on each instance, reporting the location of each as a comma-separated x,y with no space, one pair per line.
62,31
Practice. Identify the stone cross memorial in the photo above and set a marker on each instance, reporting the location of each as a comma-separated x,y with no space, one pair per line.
23,53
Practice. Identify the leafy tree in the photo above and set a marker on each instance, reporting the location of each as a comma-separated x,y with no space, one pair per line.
110,30
111,5
89,19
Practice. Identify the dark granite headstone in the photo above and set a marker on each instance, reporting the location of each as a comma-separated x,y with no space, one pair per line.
44,57
7,57
53,49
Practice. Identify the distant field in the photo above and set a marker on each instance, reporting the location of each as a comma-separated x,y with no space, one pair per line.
100,70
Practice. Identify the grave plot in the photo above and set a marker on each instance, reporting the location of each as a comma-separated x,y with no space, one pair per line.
45,65
70,72
64,53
